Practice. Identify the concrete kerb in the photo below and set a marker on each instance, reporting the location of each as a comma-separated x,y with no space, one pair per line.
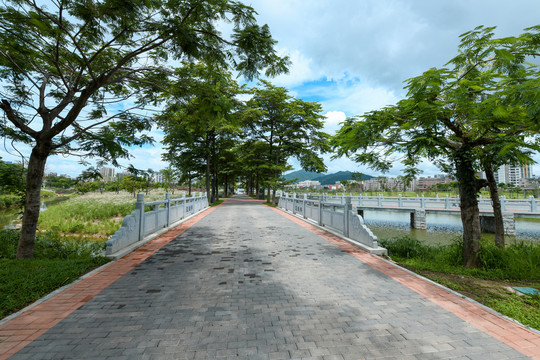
375,251
114,257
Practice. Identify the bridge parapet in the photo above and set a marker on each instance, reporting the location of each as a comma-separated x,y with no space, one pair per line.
336,216
156,215
529,205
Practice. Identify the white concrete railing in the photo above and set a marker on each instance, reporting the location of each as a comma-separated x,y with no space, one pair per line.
530,205
339,217
163,214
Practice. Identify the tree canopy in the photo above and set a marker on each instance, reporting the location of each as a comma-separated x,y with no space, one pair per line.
479,112
65,64
290,127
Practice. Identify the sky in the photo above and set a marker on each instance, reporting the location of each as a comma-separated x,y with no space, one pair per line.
352,56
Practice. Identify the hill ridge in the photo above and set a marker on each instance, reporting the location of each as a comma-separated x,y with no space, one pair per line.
324,179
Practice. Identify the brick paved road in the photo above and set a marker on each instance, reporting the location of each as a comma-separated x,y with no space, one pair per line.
246,282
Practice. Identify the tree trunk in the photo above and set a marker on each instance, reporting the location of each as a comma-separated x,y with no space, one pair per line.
257,184
496,203
470,215
34,178
207,178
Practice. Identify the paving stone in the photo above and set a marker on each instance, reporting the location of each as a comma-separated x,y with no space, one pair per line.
243,283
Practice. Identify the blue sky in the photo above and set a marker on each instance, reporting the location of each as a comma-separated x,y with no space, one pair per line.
353,56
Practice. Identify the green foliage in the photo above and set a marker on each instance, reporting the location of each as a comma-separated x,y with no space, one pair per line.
59,181
93,215
520,261
84,187
50,245
66,65
58,261
525,309
479,112
287,127
11,185
9,201
25,281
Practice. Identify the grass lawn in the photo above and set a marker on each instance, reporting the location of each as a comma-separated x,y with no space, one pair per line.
57,261
25,281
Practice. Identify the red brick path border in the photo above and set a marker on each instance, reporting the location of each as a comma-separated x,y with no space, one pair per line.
28,326
512,334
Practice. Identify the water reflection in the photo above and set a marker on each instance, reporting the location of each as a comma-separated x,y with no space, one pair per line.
8,216
441,228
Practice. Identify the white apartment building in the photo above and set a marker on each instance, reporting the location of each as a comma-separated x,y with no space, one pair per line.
308,183
512,174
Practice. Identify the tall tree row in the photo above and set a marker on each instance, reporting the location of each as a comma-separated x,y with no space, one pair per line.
289,127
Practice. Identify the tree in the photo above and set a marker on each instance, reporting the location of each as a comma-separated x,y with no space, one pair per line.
169,179
63,64
291,127
59,181
484,107
90,174
11,178
200,113
253,160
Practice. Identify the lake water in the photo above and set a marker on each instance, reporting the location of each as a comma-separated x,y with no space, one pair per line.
441,228
7,216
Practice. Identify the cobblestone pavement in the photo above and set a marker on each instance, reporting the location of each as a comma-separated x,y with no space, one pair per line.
246,282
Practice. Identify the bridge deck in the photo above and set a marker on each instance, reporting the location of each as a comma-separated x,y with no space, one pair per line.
246,281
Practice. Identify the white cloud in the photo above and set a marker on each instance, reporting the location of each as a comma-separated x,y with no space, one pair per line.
300,70
359,98
353,56
333,118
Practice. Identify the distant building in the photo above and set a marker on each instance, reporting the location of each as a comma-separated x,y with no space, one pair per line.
425,183
336,186
107,173
309,184
513,174
384,183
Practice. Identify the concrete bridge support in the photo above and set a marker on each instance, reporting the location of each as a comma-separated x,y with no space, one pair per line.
418,219
487,223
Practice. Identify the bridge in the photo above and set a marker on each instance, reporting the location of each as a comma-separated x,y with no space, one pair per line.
247,281
419,206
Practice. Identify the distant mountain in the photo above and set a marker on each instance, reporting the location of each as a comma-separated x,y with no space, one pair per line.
324,179
301,175
331,179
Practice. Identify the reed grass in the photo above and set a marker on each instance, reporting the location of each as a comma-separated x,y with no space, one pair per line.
92,215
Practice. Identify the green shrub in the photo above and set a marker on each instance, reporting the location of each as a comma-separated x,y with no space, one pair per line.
520,261
9,201
406,247
57,261
51,246
25,281
8,243
516,261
